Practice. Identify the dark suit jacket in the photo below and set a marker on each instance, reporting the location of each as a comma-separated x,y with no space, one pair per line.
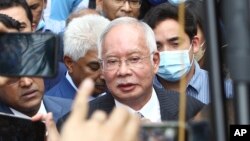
58,106
51,82
63,89
169,105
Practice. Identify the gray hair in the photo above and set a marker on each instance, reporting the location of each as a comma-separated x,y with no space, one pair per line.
149,34
81,35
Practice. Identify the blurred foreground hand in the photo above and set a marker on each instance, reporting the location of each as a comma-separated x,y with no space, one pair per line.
119,126
3,80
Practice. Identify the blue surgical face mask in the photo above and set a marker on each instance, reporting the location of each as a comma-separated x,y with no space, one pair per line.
40,25
174,64
200,53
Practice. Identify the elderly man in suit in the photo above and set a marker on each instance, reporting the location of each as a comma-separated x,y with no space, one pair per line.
80,56
129,63
113,9
23,96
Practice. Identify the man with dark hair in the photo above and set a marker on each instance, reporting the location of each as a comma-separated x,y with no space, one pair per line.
24,96
197,7
7,22
177,49
37,7
19,10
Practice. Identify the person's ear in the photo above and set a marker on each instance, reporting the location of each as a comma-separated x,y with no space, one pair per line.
195,44
69,63
99,4
156,61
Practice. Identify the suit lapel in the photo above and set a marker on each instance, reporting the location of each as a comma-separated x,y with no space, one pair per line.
168,104
105,103
67,90
51,106
5,109
108,103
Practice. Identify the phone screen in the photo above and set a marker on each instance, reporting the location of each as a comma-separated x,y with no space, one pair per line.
164,131
28,54
14,128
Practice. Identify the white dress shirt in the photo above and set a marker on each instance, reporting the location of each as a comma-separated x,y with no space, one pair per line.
41,110
68,77
150,111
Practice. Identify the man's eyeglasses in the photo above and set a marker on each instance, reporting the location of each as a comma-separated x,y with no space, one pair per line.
115,63
132,3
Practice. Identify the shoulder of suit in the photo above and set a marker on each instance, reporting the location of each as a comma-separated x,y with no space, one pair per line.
57,99
101,98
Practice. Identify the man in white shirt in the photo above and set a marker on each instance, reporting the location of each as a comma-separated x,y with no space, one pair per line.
130,60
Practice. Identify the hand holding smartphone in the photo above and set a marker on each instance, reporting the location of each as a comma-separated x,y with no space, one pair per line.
13,128
28,54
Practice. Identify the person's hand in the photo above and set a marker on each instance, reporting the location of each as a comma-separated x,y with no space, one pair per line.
3,80
120,126
52,133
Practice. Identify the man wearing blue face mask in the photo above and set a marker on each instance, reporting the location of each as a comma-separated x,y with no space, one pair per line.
177,51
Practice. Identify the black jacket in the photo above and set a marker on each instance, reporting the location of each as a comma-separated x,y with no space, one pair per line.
169,105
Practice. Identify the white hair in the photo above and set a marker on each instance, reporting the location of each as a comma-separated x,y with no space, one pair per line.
81,35
149,34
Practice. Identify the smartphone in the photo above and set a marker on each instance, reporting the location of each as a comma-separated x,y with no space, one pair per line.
164,131
14,128
28,54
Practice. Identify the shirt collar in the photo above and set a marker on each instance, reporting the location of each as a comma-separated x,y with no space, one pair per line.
194,83
41,110
68,77
151,110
